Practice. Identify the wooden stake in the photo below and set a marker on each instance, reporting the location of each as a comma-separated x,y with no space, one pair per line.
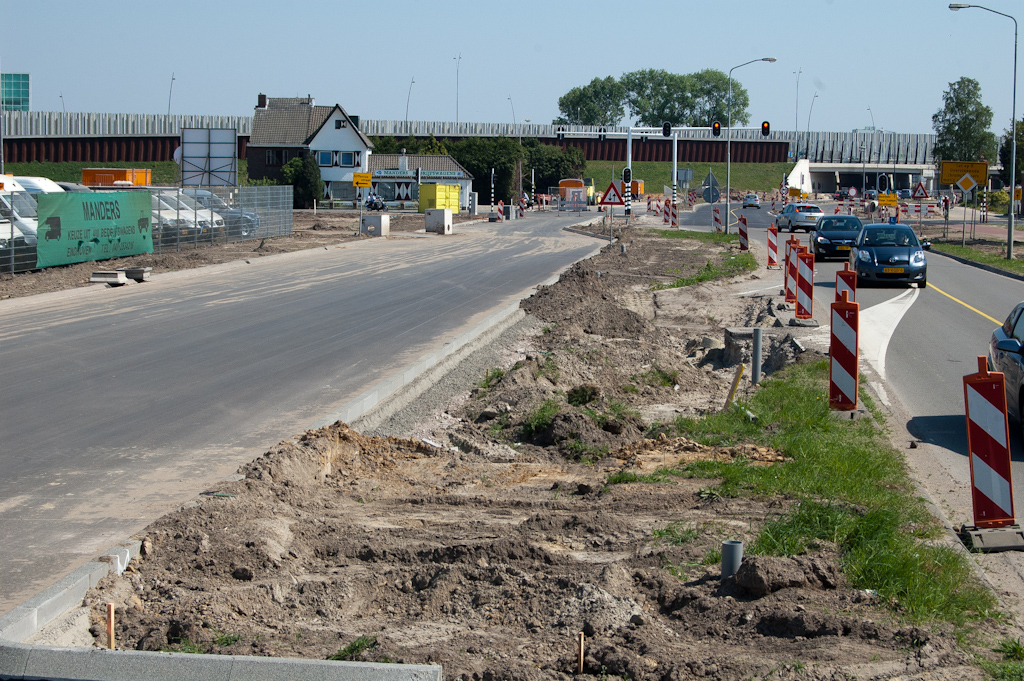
581,652
735,384
110,625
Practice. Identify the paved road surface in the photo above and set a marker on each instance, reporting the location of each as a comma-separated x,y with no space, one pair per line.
120,404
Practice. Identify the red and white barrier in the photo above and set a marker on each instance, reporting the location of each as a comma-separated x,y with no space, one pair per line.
846,284
666,214
744,246
675,216
805,286
773,204
844,374
718,219
501,211
522,207
773,246
988,441
650,203
791,271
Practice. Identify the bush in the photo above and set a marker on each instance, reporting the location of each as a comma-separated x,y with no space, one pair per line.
304,175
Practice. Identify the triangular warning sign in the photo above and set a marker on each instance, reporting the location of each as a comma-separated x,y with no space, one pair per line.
710,180
919,192
612,196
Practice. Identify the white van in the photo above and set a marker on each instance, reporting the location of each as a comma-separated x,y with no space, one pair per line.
18,217
36,185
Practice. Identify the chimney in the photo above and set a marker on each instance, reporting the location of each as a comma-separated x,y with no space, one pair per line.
261,101
403,161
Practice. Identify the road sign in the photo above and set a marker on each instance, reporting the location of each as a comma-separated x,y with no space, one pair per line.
612,196
919,192
361,180
1016,193
967,183
887,200
710,180
712,194
684,175
951,171
853,192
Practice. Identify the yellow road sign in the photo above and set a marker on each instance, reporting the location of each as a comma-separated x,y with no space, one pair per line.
951,171
1016,194
887,200
361,180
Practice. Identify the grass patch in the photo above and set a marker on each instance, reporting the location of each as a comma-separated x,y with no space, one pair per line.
658,377
583,394
707,237
491,378
761,177
677,533
582,452
728,266
353,650
184,646
852,489
540,418
976,255
224,640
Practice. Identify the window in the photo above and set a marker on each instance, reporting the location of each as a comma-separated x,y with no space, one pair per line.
347,159
273,157
324,158
337,124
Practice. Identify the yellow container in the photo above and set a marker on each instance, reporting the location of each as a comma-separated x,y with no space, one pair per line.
106,177
439,196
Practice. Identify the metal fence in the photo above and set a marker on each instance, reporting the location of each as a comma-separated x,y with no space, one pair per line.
181,219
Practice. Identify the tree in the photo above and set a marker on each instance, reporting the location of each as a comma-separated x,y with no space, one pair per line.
479,154
599,103
962,125
432,147
551,163
303,174
385,145
695,99
710,92
1005,153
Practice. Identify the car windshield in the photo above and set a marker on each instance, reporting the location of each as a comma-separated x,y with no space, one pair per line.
750,196
839,224
892,236
180,202
23,202
808,209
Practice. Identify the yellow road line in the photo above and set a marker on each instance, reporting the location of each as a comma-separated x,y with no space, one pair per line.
973,309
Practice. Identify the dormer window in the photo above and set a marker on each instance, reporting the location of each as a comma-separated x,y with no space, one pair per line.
339,124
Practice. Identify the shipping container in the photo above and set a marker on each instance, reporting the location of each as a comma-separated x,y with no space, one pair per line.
112,177
439,196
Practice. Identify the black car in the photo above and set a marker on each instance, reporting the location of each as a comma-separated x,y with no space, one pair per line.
835,235
889,253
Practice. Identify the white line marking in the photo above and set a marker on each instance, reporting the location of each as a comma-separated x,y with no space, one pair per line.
878,323
879,389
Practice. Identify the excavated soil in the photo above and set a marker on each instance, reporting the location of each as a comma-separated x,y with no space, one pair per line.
491,543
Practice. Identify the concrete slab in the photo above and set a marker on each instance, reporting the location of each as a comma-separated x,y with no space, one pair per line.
375,225
109,277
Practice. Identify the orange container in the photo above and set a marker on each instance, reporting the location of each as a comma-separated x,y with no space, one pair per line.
112,177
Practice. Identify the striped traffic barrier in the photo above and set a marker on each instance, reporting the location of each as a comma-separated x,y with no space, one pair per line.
844,374
988,438
675,217
522,207
773,246
717,218
742,228
846,284
501,211
791,252
666,214
805,286
650,202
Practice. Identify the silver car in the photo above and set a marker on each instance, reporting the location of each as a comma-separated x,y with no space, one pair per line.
798,216
1006,354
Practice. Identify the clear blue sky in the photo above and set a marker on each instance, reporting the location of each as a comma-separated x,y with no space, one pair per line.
896,56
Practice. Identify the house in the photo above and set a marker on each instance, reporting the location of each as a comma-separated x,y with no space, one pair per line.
396,177
287,127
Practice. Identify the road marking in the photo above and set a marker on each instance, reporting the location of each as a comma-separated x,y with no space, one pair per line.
972,309
878,323
758,290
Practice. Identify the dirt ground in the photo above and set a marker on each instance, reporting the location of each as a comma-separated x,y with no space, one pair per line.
490,542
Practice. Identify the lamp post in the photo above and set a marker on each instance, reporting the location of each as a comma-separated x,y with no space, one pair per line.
458,62
954,6
872,117
411,83
169,91
728,143
514,118
809,112
62,103
796,112
863,171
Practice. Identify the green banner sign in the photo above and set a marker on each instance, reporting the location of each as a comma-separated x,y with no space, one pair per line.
83,226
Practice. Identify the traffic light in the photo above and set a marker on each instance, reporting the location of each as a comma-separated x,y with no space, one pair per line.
666,129
883,183
716,129
627,175
765,129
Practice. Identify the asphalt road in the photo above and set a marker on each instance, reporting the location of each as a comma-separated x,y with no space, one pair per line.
120,404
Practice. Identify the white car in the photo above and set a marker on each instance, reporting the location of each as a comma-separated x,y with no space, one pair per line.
169,226
208,224
37,185
751,201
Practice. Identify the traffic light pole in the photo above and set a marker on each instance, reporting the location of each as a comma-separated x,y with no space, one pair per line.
627,185
675,173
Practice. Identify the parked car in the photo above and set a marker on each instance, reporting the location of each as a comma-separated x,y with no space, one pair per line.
168,225
38,185
209,225
885,253
1006,354
871,195
841,194
904,194
73,187
751,201
798,216
241,224
835,235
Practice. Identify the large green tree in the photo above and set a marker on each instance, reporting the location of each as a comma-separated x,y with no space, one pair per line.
962,124
479,154
599,103
655,96
709,90
550,164
303,174
1005,152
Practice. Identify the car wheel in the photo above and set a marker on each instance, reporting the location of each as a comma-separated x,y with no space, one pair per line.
1020,415
923,283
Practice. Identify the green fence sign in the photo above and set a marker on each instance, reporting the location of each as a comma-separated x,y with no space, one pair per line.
83,226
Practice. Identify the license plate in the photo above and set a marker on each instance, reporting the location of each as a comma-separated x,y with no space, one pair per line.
843,248
893,270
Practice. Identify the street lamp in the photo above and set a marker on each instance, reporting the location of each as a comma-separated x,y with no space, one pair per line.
863,171
872,118
728,143
62,103
796,108
514,117
411,82
458,62
1013,123
809,112
169,91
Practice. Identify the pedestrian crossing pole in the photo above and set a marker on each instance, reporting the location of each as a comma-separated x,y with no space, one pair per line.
675,163
492,190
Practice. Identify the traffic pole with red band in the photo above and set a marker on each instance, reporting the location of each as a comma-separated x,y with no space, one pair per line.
846,280
988,442
675,217
805,286
791,270
844,374
744,246
773,246
665,214
718,219
501,211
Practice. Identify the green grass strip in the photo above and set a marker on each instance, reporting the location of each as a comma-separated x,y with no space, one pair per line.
975,255
728,266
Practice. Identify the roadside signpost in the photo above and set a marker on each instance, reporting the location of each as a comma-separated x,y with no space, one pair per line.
361,180
951,172
612,197
853,192
919,192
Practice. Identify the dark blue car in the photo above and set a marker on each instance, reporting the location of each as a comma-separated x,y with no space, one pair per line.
834,236
889,253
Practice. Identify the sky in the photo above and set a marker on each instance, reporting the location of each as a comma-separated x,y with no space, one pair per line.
377,59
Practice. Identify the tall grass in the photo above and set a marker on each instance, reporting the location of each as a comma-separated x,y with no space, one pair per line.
761,177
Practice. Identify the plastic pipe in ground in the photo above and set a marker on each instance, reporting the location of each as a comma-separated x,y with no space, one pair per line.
732,556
